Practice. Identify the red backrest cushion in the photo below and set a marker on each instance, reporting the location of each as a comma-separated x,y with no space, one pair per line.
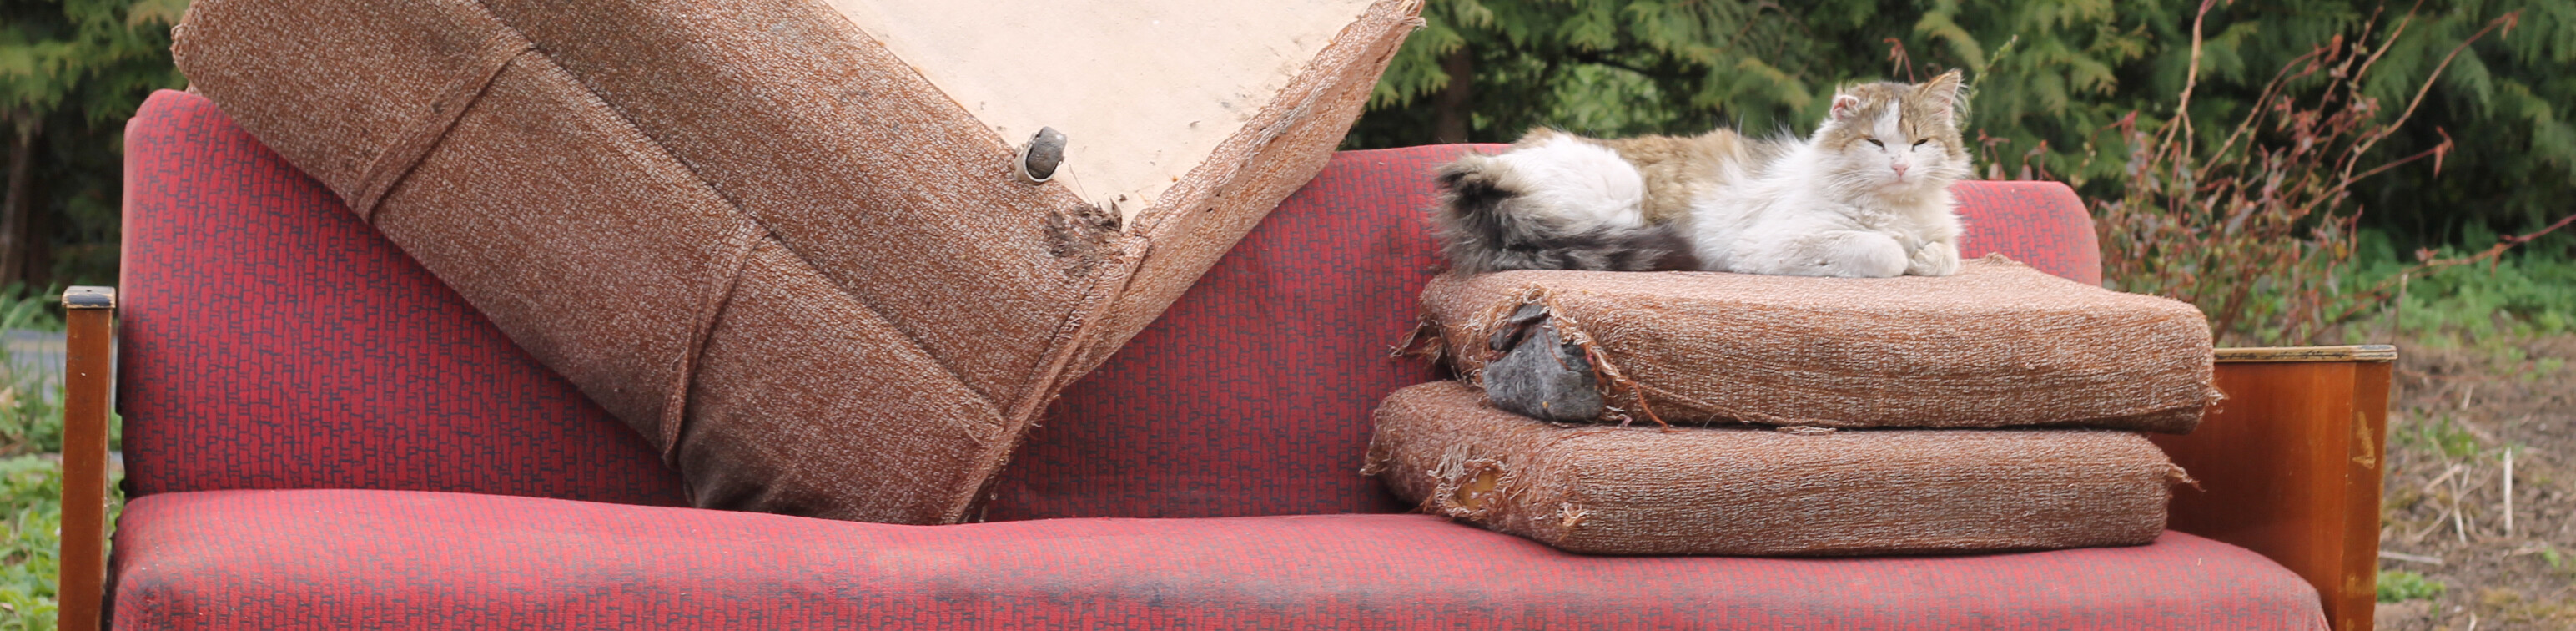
2041,224
271,340
1252,395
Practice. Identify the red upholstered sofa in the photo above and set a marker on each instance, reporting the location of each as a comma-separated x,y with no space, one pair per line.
320,434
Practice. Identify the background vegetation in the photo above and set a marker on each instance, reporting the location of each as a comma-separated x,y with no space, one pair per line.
2063,90
71,72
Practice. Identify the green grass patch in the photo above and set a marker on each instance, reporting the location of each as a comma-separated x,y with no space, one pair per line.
31,491
32,487
2402,586
2529,291
2438,432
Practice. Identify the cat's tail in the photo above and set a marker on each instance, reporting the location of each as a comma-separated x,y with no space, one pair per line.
1489,222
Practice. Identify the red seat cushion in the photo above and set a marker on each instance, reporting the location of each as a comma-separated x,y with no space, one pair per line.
341,558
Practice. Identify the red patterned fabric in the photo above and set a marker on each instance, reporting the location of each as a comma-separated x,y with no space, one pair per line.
368,559
1252,395
2042,224
271,340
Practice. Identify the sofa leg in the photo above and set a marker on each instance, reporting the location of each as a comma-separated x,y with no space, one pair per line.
90,320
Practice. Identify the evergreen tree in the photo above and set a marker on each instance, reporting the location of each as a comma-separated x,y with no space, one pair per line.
71,72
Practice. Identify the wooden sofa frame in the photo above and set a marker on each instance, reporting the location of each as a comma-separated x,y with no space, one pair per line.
2288,466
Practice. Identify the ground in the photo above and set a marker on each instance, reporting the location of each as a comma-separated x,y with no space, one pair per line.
2457,411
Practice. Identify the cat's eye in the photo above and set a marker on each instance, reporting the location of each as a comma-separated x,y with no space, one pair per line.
1919,143
1875,141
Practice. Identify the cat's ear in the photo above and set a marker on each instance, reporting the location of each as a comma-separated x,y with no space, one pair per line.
1941,91
1846,106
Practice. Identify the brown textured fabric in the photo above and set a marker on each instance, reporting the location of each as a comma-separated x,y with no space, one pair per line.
746,228
1606,489
1996,345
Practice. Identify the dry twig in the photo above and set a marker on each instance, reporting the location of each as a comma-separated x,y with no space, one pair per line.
2258,232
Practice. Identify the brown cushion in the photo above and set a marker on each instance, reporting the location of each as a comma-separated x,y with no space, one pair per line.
800,263
1608,489
1996,345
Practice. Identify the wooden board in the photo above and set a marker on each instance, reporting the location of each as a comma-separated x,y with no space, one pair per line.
1144,90
2289,466
90,316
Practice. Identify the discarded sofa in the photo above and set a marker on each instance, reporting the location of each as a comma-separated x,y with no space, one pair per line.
321,433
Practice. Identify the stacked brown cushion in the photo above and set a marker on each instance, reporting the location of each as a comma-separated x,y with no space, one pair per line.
1755,374
1996,345
795,263
1608,489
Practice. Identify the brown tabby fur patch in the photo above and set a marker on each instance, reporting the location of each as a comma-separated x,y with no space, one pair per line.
1677,168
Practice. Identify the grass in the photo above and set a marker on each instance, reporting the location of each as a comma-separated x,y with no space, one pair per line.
2528,292
2442,434
2401,586
31,491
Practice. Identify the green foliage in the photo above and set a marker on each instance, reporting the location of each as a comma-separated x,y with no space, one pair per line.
93,57
22,307
2051,79
31,491
2252,222
2401,586
71,72
2440,433
1610,67
2529,292
31,413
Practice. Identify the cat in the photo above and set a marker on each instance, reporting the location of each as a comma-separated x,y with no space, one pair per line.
1867,195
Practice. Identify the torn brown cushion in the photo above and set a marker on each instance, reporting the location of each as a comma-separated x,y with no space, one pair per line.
1996,345
794,256
1607,489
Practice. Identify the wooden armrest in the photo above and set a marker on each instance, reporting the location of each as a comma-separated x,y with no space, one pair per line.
89,323
2289,466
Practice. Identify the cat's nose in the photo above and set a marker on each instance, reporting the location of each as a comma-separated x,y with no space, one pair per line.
1900,170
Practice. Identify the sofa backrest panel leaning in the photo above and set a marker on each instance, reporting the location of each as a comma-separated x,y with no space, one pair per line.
810,270
345,364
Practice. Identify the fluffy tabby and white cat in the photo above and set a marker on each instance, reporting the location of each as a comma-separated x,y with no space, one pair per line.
1866,196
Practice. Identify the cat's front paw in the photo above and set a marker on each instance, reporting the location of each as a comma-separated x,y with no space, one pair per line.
1937,258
